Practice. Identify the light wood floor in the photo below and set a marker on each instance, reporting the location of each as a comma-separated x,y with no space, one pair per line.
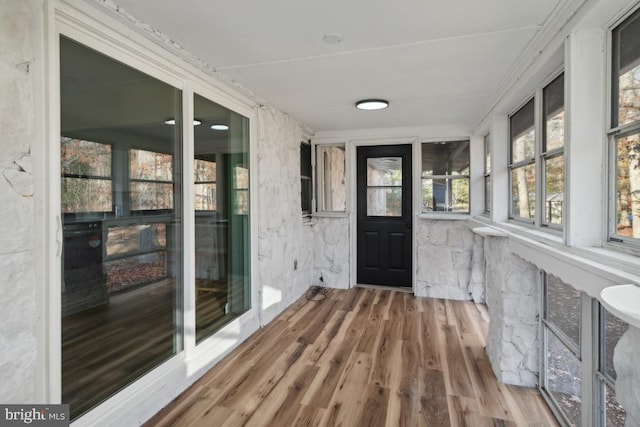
362,357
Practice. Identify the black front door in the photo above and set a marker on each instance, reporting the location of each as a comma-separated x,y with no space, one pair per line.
384,215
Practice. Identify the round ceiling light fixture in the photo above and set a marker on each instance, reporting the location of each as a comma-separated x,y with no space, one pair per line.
172,122
219,127
372,104
332,38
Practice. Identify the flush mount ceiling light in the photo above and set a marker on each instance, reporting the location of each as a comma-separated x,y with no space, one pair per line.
172,122
220,127
372,104
332,38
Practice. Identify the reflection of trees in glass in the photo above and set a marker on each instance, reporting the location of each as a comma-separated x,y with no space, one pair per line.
523,194
629,96
241,186
628,156
205,185
628,185
554,189
86,176
151,176
524,178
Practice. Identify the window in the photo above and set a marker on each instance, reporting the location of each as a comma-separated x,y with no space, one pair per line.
86,176
523,162
121,293
305,178
562,373
553,151
221,181
445,177
332,190
204,170
610,330
151,180
487,174
537,180
624,135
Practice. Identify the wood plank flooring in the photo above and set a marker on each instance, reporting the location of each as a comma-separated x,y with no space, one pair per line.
360,357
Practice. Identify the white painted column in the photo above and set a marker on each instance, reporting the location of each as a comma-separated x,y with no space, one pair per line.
500,168
476,172
585,101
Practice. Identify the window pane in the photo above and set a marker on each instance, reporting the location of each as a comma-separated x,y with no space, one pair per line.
151,196
628,186
121,284
206,197
333,192
445,158
445,176
384,201
522,134
553,105
86,195
487,155
384,171
523,191
445,195
487,193
85,158
564,378
614,328
615,415
562,307
221,182
150,165
553,190
626,71
204,171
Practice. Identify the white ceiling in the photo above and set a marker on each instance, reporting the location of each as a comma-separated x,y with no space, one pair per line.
438,62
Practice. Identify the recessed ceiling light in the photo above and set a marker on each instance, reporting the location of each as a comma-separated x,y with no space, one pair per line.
332,38
372,104
172,122
220,127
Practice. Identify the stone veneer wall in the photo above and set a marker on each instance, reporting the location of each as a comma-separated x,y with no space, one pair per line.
285,243
513,300
444,258
625,362
18,309
331,252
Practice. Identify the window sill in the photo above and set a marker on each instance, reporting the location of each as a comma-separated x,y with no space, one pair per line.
446,216
588,269
331,215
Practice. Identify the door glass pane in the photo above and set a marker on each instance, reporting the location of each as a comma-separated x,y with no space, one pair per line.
384,171
221,180
523,191
121,263
384,201
564,378
384,186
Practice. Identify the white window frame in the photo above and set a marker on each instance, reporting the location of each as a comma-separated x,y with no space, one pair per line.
450,178
538,160
613,239
318,165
